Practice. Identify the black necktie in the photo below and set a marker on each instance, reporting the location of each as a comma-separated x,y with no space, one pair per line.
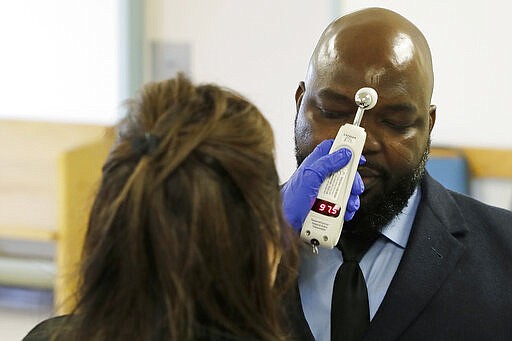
350,312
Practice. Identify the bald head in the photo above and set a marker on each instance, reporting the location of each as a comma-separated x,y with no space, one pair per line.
376,44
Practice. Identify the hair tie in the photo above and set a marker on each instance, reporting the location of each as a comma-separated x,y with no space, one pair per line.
145,144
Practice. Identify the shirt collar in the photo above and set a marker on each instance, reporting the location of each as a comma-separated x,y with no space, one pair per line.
399,228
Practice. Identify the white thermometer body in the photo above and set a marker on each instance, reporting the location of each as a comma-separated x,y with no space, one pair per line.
324,221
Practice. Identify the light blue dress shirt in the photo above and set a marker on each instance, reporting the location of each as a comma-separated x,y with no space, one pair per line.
379,264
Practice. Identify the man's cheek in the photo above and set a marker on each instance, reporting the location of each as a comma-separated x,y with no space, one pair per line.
303,131
403,156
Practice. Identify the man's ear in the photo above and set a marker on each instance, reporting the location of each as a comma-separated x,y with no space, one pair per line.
432,117
299,94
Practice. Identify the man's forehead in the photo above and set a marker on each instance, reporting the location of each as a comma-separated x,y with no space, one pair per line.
343,78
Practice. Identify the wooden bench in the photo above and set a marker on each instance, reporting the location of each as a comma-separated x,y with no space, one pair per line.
48,175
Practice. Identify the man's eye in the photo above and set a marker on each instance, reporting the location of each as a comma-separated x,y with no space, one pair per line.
334,114
397,125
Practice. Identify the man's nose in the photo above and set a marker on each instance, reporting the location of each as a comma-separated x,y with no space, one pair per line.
373,141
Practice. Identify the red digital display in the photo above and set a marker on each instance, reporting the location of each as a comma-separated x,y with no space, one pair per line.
326,208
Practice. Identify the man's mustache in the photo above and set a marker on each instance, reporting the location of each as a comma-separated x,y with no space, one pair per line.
374,169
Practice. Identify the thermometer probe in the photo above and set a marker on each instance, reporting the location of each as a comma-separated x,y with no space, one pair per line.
324,221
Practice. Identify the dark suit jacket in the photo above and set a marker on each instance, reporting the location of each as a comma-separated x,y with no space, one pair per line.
454,281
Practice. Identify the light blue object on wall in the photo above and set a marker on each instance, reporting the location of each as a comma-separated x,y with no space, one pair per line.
451,171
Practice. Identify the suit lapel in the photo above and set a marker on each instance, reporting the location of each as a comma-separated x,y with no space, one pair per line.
433,250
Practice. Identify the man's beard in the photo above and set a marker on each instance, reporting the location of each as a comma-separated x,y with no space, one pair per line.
376,214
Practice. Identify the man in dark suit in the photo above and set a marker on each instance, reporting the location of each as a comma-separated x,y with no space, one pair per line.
441,266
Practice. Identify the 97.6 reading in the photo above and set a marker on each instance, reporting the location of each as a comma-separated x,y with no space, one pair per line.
326,208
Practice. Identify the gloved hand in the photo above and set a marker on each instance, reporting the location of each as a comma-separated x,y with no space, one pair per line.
300,192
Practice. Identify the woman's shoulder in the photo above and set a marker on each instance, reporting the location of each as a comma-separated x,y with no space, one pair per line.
44,330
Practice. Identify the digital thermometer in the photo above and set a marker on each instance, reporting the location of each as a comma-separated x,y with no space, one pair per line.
324,221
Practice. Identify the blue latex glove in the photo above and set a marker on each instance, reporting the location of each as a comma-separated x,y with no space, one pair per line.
300,192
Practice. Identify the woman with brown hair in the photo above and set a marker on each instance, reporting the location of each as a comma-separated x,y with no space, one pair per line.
186,230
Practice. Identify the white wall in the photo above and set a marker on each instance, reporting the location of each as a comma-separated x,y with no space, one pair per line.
60,60
259,48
